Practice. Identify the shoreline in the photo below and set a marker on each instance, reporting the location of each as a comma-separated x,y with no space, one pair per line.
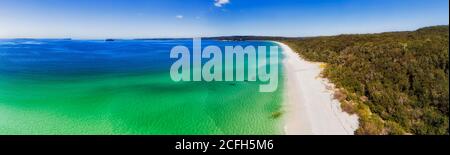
309,105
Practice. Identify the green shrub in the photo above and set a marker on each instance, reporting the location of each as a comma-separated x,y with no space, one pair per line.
402,77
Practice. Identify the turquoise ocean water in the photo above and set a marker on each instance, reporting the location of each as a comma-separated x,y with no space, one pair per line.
123,87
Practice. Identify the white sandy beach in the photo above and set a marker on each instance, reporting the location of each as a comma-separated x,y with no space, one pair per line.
309,106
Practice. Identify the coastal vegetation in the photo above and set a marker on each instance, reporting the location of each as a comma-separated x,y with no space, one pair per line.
396,82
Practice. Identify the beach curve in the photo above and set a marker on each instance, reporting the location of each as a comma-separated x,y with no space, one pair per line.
309,105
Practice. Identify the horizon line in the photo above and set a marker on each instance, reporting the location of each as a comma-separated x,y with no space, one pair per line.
219,36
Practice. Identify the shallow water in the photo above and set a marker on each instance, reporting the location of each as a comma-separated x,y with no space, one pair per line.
122,87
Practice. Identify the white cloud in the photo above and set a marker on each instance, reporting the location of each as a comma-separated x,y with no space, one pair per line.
220,3
179,16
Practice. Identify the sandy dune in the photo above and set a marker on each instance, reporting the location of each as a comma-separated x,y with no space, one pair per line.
310,107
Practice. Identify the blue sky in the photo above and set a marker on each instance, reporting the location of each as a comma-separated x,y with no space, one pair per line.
195,18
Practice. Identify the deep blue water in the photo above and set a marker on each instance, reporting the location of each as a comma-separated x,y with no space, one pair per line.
93,57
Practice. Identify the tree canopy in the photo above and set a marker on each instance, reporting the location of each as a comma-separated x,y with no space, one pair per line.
397,82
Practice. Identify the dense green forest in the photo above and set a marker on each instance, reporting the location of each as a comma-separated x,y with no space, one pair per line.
396,82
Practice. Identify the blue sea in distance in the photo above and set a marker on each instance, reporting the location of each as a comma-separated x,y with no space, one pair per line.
51,86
